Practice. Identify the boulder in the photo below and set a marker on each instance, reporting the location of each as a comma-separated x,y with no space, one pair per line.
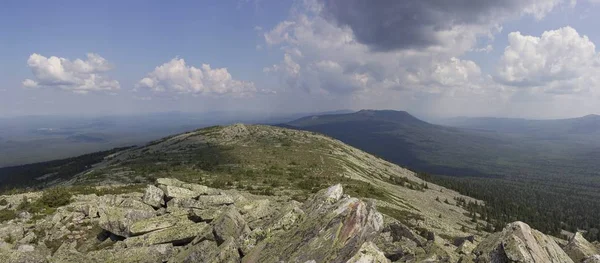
465,248
199,253
230,223
286,219
332,230
215,200
368,253
519,243
11,232
208,252
198,189
177,235
399,231
579,249
255,209
177,192
204,215
157,223
117,220
203,202
154,196
26,255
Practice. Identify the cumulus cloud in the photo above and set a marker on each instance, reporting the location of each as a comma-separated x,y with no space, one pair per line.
80,76
559,61
324,58
176,76
415,24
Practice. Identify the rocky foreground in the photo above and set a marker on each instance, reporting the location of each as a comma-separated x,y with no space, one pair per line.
174,221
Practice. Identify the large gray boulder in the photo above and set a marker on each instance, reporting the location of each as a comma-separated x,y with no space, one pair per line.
520,243
195,188
117,219
154,196
177,235
157,223
580,249
229,224
333,229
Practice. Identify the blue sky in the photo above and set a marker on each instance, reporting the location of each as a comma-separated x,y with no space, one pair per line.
270,56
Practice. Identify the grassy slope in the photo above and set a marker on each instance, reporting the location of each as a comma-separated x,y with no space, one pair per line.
276,161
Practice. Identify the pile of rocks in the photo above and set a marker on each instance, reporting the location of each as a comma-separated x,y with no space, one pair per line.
175,221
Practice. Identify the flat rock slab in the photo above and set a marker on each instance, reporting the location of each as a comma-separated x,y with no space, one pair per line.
176,235
178,192
157,223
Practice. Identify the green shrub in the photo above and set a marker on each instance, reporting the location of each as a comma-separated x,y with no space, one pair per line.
6,215
55,197
3,202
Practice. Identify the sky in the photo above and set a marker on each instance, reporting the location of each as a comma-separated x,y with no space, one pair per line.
437,58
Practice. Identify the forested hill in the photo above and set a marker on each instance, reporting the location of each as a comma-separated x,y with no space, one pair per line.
552,183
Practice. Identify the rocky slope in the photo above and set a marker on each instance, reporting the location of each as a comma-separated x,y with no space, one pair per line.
259,194
175,221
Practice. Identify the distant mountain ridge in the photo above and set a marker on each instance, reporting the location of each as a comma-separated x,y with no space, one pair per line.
586,125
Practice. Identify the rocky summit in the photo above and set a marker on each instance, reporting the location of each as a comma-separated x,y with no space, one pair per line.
175,221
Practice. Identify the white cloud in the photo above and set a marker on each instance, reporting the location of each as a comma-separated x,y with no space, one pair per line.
560,61
322,57
176,76
80,76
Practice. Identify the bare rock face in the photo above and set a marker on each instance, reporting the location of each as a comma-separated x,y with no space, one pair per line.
519,243
333,229
580,249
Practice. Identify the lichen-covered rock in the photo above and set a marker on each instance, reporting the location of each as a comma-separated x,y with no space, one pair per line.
208,252
205,215
177,192
465,248
151,254
154,196
519,243
200,253
290,214
176,235
255,209
579,249
12,232
214,200
333,230
196,188
368,253
203,202
117,220
230,223
157,223
25,255
592,259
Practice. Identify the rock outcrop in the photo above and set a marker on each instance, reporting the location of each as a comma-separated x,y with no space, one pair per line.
333,229
580,249
519,243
